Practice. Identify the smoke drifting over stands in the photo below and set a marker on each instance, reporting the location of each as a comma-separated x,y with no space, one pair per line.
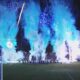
40,31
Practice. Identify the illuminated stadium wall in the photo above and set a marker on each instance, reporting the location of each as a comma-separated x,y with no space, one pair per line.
38,31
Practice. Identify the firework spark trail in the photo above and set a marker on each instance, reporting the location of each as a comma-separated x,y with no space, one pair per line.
21,13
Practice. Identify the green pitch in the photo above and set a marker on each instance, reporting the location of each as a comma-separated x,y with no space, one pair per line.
41,71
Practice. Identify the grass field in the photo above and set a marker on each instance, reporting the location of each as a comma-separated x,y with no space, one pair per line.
41,71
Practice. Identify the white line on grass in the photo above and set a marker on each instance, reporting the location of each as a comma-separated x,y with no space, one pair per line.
70,76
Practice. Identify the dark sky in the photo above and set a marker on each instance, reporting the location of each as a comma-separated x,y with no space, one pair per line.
76,12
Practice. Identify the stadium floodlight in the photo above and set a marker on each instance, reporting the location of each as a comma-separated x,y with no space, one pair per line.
9,44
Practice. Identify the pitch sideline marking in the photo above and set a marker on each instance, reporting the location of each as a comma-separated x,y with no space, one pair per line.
70,76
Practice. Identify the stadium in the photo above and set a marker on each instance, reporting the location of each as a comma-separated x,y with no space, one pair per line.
40,39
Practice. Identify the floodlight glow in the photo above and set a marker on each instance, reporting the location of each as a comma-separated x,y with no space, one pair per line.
9,44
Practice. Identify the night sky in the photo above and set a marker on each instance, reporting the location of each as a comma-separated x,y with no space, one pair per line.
76,12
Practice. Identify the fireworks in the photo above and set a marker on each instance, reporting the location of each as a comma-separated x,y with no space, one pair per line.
55,24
